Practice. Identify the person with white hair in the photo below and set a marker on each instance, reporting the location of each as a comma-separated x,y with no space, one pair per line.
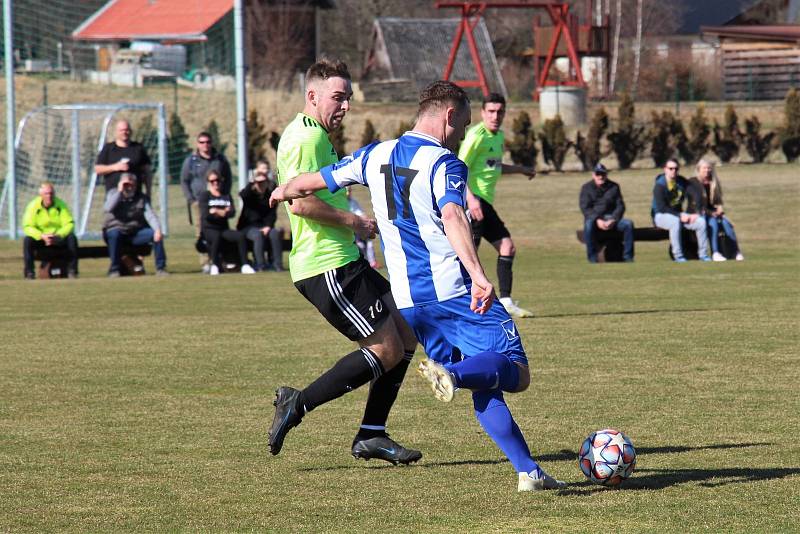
712,208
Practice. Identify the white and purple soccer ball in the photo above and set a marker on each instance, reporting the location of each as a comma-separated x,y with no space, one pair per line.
607,457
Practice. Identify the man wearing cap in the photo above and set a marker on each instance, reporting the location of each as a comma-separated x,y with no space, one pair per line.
602,206
130,220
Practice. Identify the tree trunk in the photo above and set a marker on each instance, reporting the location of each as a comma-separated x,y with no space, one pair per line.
637,51
615,51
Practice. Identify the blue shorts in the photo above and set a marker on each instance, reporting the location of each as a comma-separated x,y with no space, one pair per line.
444,326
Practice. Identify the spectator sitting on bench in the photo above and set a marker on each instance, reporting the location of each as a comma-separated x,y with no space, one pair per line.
602,206
257,221
669,194
131,221
47,222
707,183
215,210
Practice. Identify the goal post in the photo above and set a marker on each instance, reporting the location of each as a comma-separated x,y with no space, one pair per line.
60,143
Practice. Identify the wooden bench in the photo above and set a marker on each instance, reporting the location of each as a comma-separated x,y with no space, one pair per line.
609,244
54,260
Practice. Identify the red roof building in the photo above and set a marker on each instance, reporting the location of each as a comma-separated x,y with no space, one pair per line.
161,20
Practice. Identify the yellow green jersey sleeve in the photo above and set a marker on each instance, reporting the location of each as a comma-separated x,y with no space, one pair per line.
316,247
482,151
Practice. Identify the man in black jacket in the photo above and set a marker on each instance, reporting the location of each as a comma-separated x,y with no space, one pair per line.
257,221
602,206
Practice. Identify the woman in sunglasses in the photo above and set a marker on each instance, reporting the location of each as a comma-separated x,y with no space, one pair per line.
216,208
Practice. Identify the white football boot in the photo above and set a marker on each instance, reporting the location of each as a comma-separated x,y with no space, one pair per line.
514,310
538,480
440,379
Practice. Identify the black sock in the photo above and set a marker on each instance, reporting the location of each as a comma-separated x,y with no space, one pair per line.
349,373
382,394
504,275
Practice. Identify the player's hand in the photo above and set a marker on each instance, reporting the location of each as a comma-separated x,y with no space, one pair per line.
157,236
265,230
601,224
474,206
482,296
364,227
277,196
122,166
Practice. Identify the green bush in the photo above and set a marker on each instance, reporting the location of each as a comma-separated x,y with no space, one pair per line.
666,135
588,149
790,131
177,147
727,138
369,135
213,130
630,139
256,139
757,145
554,142
403,127
695,145
339,141
522,146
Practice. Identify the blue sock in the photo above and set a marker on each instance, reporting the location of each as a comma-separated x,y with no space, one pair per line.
495,418
485,371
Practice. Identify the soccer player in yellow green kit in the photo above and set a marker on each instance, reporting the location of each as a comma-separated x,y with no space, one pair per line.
482,151
328,270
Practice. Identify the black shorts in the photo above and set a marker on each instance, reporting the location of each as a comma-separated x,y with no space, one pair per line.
491,227
350,298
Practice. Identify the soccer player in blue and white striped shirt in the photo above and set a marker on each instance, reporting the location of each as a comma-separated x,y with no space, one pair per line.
418,188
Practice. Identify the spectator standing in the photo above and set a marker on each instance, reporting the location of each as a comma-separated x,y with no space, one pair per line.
482,151
603,207
47,222
216,208
257,221
711,206
670,212
193,180
131,221
123,155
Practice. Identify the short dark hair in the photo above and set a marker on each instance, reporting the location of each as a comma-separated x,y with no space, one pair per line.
205,134
493,98
441,93
672,160
327,68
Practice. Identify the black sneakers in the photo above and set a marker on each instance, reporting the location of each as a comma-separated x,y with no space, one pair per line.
384,448
288,414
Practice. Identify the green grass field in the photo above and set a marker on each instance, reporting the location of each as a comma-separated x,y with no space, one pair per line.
142,404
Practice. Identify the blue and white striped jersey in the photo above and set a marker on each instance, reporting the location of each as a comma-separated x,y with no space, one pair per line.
410,179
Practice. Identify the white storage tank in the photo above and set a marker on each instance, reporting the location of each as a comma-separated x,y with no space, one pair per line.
565,100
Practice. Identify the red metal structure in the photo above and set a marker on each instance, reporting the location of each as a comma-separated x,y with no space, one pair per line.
564,27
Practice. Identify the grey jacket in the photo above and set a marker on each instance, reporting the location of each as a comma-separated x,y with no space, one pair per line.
128,214
193,174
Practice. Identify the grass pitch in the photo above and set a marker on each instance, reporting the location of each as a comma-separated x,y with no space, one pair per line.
142,404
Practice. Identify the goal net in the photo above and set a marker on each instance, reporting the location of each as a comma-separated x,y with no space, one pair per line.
59,144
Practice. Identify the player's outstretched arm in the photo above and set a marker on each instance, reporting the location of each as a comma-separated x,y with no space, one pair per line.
300,186
459,234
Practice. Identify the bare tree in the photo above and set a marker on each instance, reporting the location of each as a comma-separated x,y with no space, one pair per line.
637,50
615,51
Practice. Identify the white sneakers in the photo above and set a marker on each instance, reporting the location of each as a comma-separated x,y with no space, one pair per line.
246,269
514,310
440,379
213,270
719,257
538,480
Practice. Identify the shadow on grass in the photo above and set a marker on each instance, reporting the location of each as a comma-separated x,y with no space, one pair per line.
564,455
656,479
627,312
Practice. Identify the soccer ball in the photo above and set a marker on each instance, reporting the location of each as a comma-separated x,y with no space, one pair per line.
607,457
